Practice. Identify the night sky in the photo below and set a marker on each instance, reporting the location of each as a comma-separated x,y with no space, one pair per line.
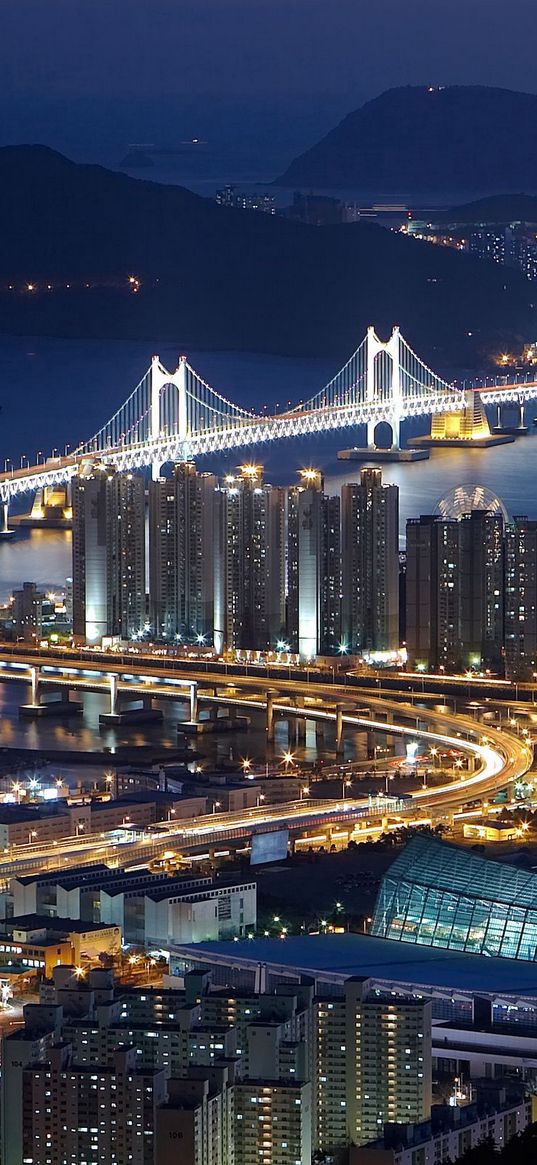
81,74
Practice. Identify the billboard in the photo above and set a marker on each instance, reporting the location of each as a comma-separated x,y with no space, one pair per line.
269,847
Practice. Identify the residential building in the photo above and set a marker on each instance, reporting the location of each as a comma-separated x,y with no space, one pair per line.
452,1130
454,591
313,558
92,1113
520,598
370,564
181,555
249,598
108,553
373,1063
27,614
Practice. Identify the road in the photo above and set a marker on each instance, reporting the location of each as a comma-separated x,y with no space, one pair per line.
500,757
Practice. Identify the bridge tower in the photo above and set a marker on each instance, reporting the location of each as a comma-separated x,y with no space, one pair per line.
159,380
383,381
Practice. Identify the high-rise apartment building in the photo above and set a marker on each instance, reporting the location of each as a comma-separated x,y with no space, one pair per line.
27,613
108,554
249,591
373,1064
223,1075
521,598
181,554
313,559
454,591
370,564
93,1113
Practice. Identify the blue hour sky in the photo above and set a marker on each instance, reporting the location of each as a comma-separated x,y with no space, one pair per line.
81,71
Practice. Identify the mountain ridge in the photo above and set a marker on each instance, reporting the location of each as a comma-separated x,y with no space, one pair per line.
428,138
217,277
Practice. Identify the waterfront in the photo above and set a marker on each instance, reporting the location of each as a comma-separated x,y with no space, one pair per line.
98,376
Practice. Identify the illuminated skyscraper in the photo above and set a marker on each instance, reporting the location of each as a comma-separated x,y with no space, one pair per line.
454,591
108,554
249,566
313,567
181,554
370,564
521,598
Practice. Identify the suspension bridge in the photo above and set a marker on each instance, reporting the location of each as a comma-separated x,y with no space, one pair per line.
173,416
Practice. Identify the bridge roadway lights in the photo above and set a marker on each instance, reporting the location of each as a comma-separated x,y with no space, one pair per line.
60,706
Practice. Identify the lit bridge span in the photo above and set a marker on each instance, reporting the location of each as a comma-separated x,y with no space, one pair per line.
173,416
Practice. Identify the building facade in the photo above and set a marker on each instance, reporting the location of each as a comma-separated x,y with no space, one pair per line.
520,598
370,564
313,567
249,591
108,554
454,591
181,555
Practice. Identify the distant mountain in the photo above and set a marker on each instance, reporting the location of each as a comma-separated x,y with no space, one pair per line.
426,138
216,277
498,208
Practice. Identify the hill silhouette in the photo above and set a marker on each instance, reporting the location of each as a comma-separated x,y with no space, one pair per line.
215,277
497,208
426,138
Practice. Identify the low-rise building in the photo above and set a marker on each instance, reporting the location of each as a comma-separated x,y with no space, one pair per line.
153,909
450,1132
43,943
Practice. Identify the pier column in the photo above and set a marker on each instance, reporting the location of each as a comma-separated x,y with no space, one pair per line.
339,730
521,415
4,518
271,696
34,680
194,703
300,722
498,416
113,694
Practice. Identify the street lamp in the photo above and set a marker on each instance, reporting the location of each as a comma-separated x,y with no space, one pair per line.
246,764
32,835
304,790
288,759
345,784
216,805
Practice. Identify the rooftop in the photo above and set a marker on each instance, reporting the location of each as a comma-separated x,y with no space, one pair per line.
336,957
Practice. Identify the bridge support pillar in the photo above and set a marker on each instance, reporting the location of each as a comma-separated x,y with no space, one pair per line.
113,695
4,520
271,696
339,730
194,703
34,683
300,723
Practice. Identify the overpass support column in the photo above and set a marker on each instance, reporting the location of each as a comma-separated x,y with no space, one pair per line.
271,695
194,703
113,695
4,515
300,722
339,730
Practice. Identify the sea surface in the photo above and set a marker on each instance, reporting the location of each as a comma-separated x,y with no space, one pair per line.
54,392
